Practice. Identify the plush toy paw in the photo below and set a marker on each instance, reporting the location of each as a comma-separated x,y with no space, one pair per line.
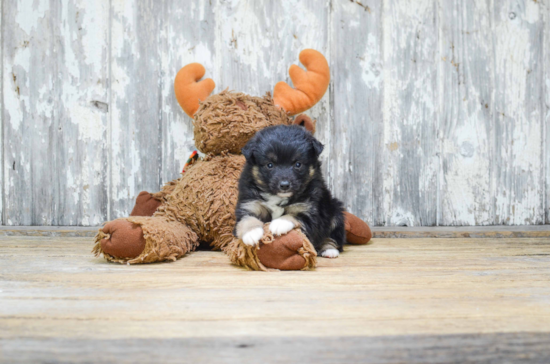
291,251
253,236
330,253
280,226
357,231
125,239
284,252
146,205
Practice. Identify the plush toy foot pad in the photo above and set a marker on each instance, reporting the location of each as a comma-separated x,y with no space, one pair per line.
357,231
283,252
123,239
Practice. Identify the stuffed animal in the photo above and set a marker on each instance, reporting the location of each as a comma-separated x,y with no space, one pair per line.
199,206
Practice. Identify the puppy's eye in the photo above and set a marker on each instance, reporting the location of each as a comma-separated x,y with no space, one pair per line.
298,165
270,165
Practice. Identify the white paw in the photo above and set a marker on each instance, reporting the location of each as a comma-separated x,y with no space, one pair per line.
330,253
280,226
253,236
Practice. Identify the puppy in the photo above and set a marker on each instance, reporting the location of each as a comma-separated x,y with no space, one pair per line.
282,183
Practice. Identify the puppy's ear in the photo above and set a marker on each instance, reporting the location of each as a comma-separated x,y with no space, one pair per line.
317,147
248,151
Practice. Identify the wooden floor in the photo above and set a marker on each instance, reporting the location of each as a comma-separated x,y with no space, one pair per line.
429,300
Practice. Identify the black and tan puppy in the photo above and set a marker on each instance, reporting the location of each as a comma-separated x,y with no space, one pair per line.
282,183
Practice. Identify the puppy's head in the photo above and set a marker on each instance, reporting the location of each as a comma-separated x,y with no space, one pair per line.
284,159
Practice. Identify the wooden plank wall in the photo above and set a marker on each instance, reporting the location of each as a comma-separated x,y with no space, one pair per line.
438,111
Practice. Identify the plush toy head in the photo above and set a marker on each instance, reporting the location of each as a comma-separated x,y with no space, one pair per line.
228,120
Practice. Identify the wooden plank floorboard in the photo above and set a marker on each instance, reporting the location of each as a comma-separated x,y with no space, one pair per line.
464,348
58,303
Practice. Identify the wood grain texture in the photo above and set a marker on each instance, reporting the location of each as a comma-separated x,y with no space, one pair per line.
467,133
136,99
521,348
356,97
518,111
54,291
55,112
410,114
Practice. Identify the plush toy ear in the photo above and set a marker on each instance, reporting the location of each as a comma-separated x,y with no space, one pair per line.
306,122
189,91
309,86
317,147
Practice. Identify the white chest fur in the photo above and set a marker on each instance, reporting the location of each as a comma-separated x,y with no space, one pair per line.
273,204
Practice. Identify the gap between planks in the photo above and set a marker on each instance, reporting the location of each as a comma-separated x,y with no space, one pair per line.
526,231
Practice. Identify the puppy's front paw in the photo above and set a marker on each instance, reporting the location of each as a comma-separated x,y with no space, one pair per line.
280,226
253,236
330,253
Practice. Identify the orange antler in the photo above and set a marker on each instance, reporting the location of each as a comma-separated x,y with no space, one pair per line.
189,91
309,86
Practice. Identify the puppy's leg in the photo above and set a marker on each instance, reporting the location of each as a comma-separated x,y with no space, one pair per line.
329,249
250,230
283,224
332,246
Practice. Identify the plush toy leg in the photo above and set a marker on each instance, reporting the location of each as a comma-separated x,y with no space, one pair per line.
146,204
292,251
136,240
357,231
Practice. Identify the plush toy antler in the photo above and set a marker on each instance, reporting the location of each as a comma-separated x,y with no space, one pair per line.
309,86
189,91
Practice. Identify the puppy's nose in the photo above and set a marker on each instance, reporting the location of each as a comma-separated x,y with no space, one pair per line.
284,185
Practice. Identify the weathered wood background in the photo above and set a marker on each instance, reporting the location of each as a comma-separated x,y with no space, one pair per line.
438,112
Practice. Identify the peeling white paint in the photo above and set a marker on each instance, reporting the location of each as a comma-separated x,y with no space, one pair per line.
29,12
90,122
465,61
532,11
517,186
372,74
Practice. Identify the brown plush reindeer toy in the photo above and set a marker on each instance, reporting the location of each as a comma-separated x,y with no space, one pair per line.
200,205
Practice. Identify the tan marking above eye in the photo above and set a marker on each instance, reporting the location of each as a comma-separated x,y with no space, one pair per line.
272,157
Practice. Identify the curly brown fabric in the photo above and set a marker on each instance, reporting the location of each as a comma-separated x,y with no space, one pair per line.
227,121
205,197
